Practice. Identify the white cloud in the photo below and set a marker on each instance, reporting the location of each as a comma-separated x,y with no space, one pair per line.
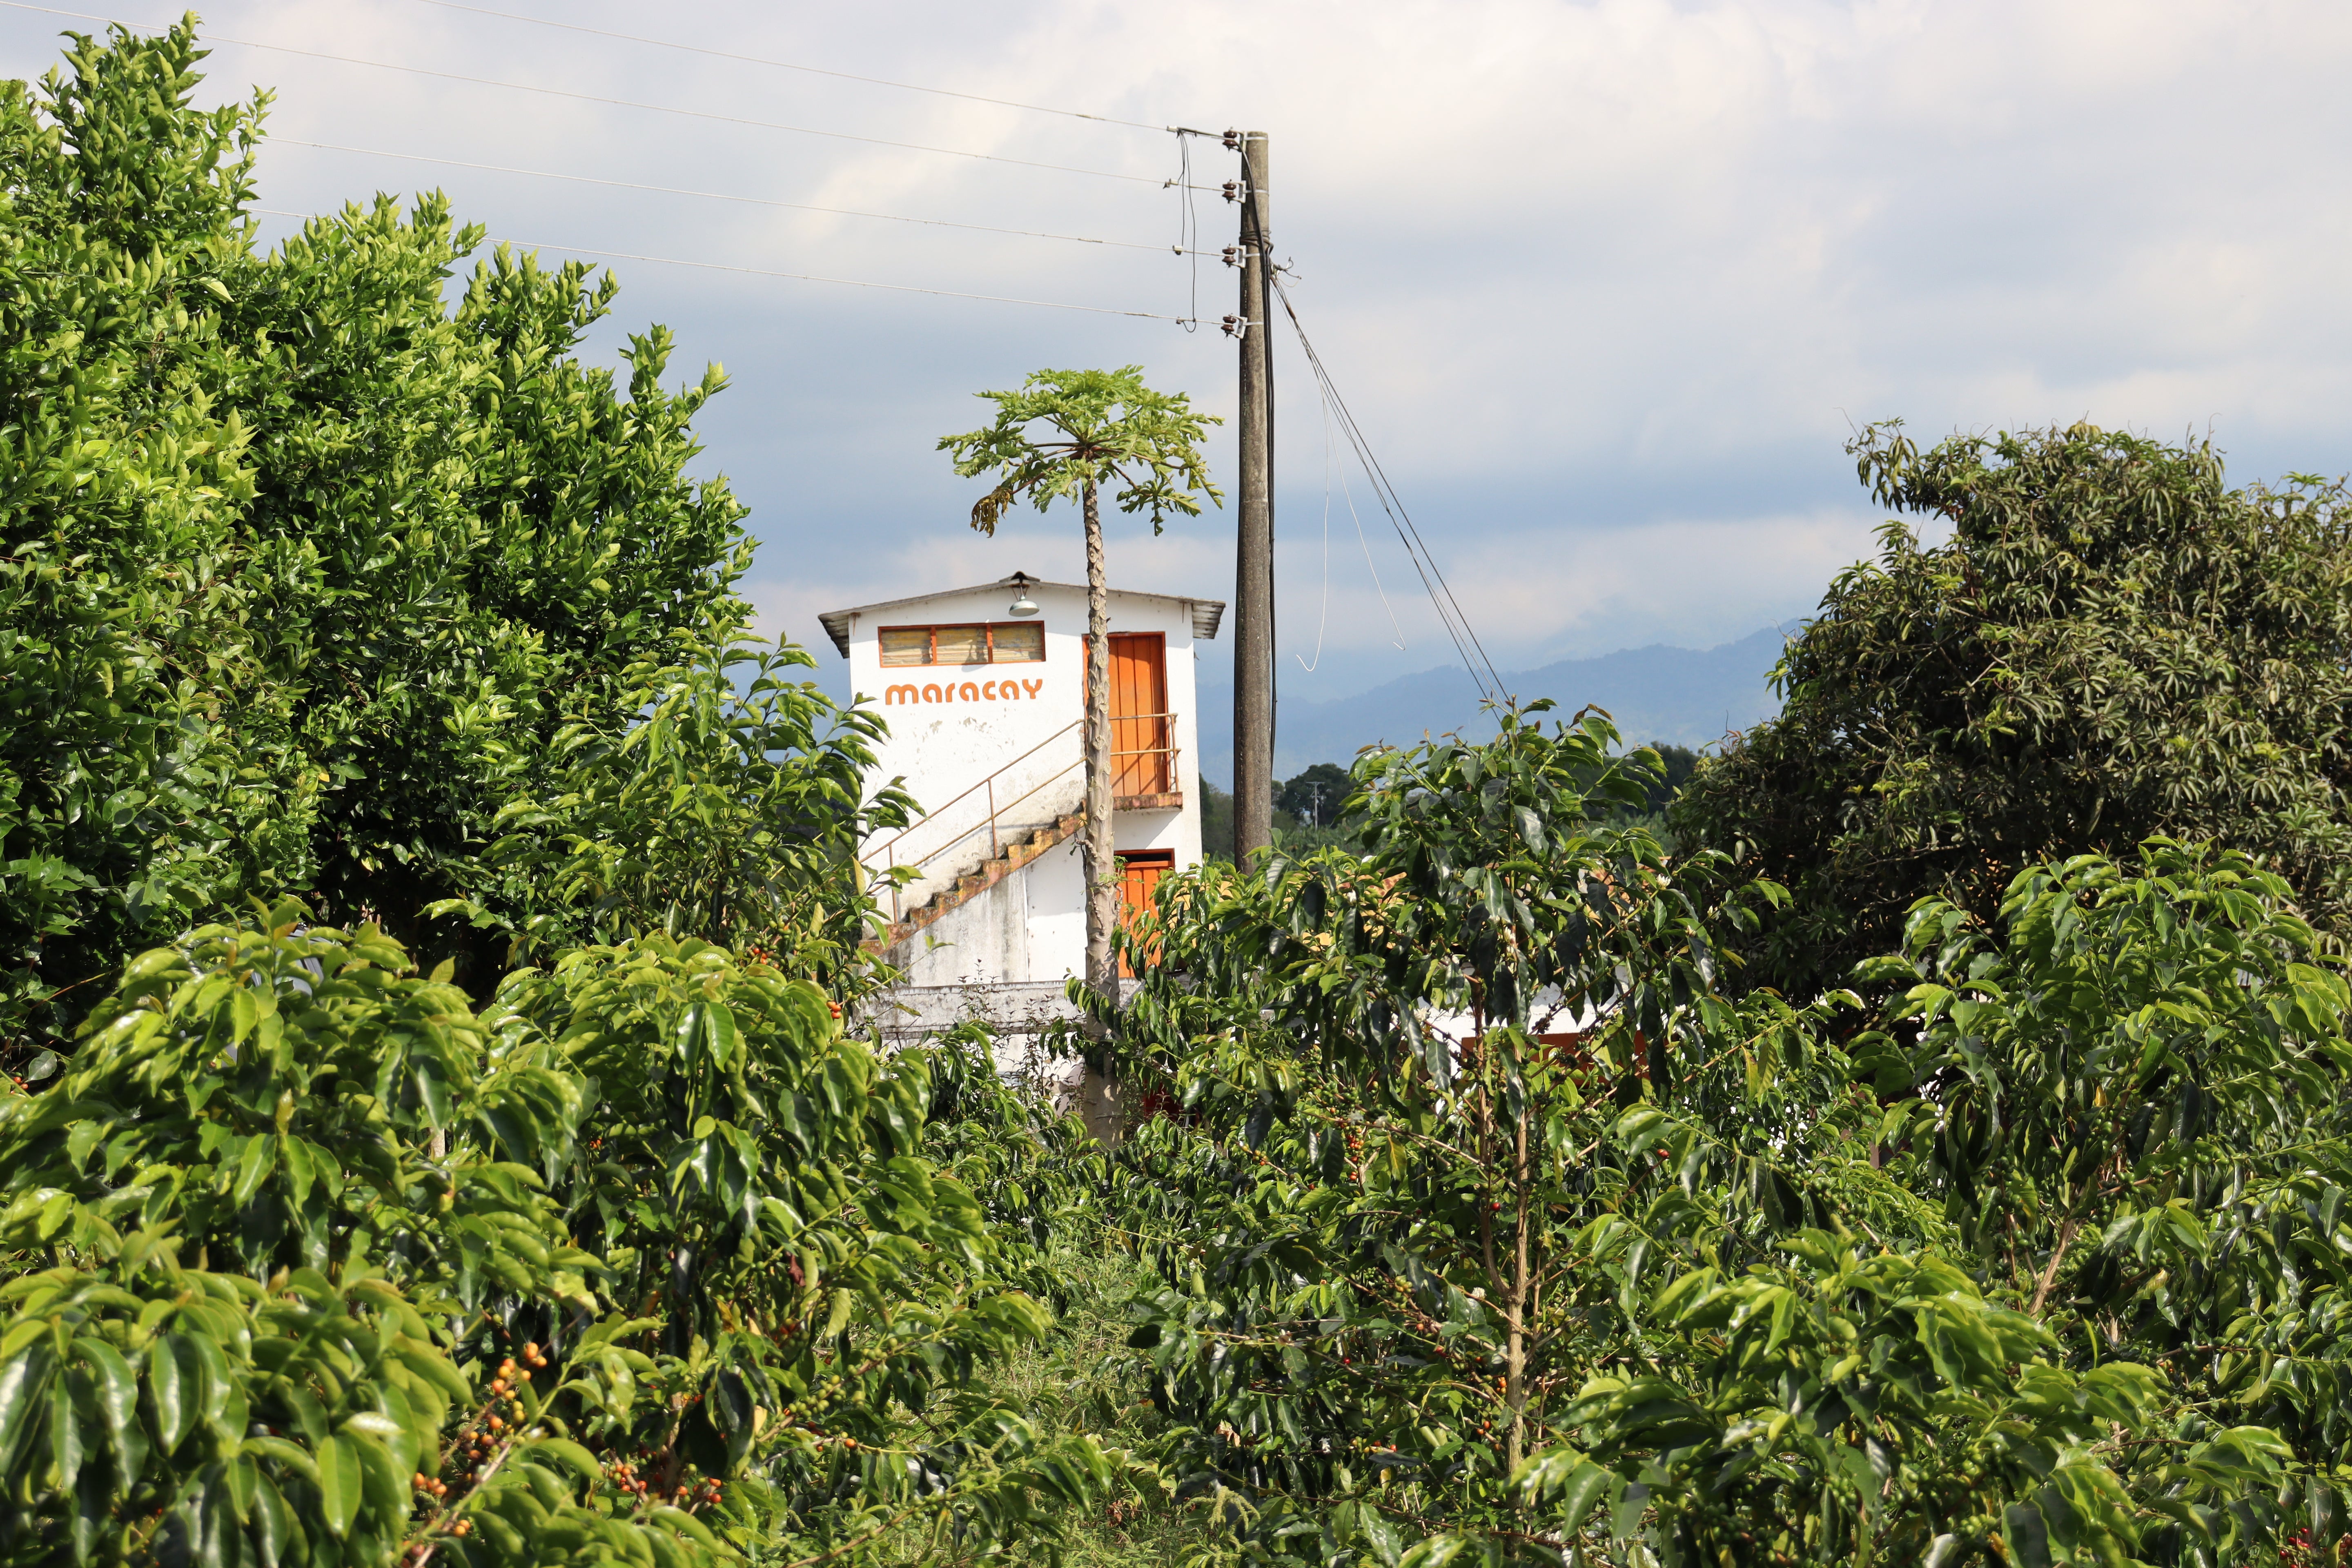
1607,282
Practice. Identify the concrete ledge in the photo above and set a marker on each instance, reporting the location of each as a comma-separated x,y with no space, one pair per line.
1171,801
1017,1011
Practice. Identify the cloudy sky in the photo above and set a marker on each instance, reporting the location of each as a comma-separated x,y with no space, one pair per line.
1608,285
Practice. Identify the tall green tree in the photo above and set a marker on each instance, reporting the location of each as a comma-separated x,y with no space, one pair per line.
146,771
1314,797
1494,1229
722,800
1062,436
2110,643
312,1262
303,569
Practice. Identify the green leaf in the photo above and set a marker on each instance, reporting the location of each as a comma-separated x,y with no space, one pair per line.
572,1456
2027,1535
342,1480
1587,1488
254,1166
116,1387
23,1382
718,1031
169,1391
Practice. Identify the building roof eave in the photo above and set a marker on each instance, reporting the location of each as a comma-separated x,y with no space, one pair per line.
1207,614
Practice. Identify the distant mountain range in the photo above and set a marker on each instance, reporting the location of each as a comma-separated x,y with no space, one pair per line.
1686,695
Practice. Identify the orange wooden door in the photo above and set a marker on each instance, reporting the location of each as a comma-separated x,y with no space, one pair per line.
1139,726
1140,871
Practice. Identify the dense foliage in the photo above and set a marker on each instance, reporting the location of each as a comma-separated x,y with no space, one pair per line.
303,571
1514,1188
645,1261
2044,1267
2110,643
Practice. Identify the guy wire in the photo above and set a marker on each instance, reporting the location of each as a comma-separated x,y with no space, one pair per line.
1433,578
1323,618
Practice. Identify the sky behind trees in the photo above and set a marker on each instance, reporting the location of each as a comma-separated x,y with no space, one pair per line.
1607,285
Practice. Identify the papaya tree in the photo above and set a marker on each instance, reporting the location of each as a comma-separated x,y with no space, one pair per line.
1064,436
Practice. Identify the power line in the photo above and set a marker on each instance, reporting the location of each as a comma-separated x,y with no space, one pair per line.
1323,617
1188,221
791,65
1433,580
794,277
616,102
1365,545
714,195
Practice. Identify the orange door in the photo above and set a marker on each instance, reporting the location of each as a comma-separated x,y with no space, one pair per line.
1140,871
1140,728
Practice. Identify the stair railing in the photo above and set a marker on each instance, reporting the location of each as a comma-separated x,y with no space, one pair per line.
888,848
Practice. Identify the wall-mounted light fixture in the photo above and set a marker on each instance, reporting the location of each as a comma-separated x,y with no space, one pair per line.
1023,604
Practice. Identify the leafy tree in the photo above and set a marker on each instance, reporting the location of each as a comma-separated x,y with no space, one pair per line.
1676,766
1371,1194
1633,1271
312,1263
1098,428
2111,644
1216,820
480,542
133,797
1314,797
301,570
722,802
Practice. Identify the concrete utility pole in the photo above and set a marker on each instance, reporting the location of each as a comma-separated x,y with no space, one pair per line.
1253,565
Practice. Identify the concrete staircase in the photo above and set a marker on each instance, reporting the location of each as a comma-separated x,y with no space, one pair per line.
990,872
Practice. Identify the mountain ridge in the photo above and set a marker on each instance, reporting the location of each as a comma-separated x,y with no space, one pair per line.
1689,696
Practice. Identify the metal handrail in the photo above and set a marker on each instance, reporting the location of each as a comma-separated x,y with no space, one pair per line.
889,846
985,784
897,913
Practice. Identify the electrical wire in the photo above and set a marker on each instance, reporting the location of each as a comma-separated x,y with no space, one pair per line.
1348,494
1441,593
1188,221
616,102
708,195
1323,618
764,272
791,65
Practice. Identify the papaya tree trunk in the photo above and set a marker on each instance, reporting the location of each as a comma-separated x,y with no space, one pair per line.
1101,844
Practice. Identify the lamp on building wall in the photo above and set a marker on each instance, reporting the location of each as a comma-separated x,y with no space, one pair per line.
1023,604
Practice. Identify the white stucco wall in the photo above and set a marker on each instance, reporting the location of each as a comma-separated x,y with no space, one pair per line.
952,727
1029,928
1055,915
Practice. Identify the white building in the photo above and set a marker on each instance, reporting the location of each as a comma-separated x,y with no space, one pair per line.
984,690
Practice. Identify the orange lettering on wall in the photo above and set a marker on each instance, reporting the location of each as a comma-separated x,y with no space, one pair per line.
1005,691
